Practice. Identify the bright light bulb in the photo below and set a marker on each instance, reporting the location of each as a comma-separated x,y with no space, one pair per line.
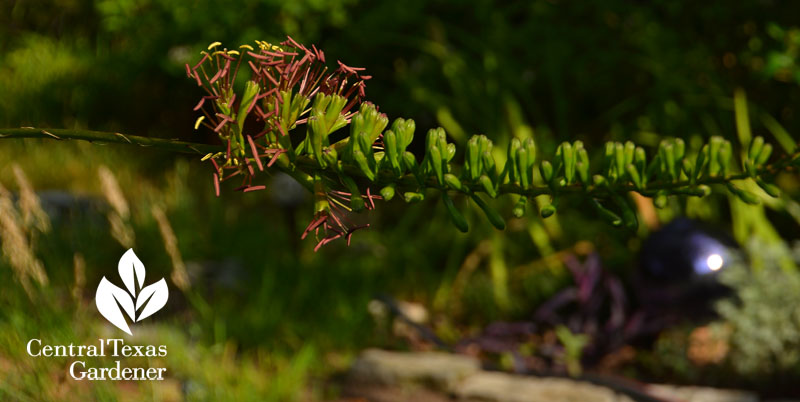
714,262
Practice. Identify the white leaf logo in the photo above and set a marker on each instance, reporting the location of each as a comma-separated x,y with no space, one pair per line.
112,300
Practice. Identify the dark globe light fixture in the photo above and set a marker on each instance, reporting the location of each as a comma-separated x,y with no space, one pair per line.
679,267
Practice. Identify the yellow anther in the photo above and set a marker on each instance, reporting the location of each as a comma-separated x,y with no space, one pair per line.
213,45
197,123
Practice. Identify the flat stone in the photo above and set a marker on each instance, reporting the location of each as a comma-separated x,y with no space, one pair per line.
502,387
440,371
380,393
700,394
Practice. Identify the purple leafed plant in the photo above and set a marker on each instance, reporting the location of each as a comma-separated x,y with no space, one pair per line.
595,306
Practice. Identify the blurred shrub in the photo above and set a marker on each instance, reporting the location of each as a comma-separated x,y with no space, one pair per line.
765,318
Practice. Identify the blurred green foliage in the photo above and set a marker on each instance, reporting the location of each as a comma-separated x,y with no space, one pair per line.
550,69
764,318
595,70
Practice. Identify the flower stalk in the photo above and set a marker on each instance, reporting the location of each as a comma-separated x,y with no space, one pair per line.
287,86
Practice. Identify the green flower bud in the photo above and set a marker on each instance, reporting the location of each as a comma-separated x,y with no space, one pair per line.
640,159
582,155
320,103
755,148
630,148
764,155
392,151
619,159
488,186
582,161
669,154
455,216
331,158
744,195
248,97
488,163
713,154
725,154
530,146
432,138
388,192
568,159
511,162
334,119
356,201
381,121
688,169
660,201
700,163
750,168
436,161
520,206
634,175
453,182
442,142
522,163
605,213
768,188
404,129
629,217
451,152
546,169
494,218
599,180
363,143
583,172
486,144
412,197
547,211
317,137
361,162
473,158
680,148
410,161
609,159
368,121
